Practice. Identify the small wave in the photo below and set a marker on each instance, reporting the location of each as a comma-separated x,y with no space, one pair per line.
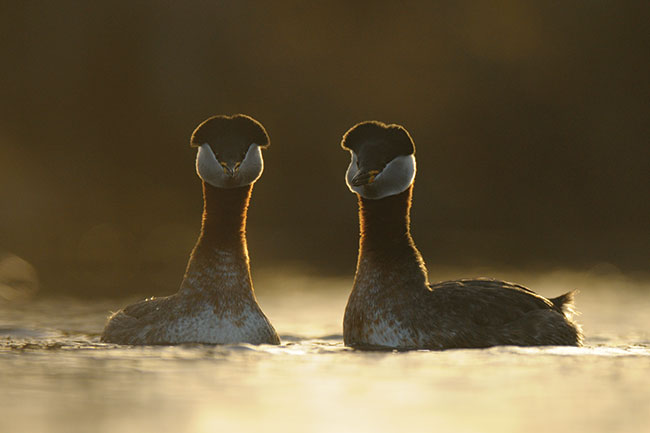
22,339
598,350
295,338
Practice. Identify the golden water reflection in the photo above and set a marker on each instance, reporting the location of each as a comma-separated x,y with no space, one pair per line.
56,377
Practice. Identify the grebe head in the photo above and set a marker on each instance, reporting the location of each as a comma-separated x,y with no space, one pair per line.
383,159
229,150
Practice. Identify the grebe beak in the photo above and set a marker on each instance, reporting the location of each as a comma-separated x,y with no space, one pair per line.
230,171
365,177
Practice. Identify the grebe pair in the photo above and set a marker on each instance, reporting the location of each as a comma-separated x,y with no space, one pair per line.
392,304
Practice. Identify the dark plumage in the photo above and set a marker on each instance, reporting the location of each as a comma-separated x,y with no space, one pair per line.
228,131
230,136
392,304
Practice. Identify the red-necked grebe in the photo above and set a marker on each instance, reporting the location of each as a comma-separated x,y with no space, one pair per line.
392,304
215,303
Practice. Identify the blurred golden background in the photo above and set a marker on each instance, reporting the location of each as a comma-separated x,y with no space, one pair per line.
530,120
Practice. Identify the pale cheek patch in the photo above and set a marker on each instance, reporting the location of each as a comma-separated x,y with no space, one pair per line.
352,171
251,167
395,178
209,169
207,166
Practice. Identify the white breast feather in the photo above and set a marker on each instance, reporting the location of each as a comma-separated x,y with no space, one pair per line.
207,327
383,328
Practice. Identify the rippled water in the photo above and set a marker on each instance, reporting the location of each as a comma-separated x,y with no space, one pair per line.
55,376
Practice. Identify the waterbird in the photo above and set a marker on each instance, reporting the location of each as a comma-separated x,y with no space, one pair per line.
392,304
216,303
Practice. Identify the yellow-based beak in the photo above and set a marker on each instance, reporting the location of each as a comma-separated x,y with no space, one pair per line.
365,177
230,171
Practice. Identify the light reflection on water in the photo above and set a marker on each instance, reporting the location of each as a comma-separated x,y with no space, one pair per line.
55,376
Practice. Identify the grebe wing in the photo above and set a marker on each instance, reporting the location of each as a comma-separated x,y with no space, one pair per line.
487,301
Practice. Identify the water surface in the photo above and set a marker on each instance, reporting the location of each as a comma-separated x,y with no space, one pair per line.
56,376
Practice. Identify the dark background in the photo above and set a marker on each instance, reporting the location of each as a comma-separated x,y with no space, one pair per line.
531,123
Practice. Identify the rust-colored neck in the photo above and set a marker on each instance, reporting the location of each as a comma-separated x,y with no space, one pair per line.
386,243
223,223
219,260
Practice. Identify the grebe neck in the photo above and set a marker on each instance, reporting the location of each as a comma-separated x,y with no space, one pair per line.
220,257
223,223
385,243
